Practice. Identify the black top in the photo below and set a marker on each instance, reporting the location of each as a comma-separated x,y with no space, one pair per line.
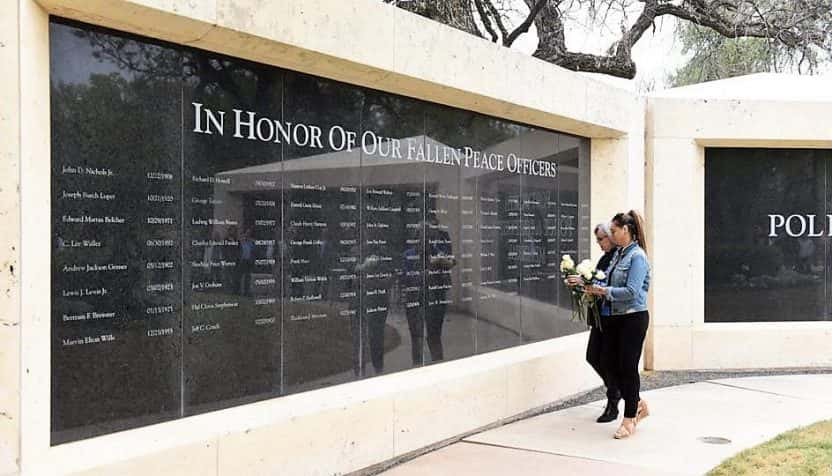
605,260
603,265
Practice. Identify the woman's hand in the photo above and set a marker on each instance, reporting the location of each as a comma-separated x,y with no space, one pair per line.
595,290
573,280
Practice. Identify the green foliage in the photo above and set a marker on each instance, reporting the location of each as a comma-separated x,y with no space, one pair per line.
716,57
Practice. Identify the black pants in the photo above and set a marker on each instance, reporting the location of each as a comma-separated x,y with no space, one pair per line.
594,348
245,267
621,350
432,323
375,333
368,342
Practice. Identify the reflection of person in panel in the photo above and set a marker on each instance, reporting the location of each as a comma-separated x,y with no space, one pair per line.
213,254
596,334
805,254
439,260
376,304
246,264
232,275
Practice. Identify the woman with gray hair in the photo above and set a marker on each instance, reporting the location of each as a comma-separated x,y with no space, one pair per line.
596,336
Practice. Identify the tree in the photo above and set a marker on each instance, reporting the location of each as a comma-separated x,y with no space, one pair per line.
800,28
714,56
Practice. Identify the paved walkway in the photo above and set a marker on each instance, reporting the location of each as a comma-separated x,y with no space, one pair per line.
746,411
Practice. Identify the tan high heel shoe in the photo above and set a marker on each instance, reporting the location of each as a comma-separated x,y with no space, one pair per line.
625,430
642,412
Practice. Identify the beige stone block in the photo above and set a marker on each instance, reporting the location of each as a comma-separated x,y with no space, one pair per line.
676,229
195,459
305,44
740,121
358,31
312,32
180,21
261,18
537,382
549,95
762,345
35,239
334,441
609,106
448,408
434,53
9,384
9,240
672,348
564,93
609,178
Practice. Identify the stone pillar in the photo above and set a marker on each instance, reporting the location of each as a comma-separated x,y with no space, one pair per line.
10,239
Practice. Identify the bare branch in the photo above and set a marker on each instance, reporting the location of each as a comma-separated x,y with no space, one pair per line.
498,19
524,27
486,22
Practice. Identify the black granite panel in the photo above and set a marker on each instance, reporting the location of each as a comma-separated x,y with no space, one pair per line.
540,256
487,233
322,197
232,229
766,235
116,216
393,235
568,207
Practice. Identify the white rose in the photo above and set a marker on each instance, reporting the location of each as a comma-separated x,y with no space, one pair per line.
587,275
566,258
600,275
584,269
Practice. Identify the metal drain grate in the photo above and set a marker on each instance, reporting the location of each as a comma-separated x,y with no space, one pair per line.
714,440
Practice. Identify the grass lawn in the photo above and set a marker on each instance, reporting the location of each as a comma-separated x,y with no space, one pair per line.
804,451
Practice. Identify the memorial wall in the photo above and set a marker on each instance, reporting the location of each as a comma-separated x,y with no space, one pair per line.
226,232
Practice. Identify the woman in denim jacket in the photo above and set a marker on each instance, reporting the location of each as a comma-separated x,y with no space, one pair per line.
626,325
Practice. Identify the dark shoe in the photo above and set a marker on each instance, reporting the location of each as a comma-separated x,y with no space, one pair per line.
610,413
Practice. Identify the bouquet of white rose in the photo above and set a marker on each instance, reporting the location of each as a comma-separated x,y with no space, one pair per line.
583,304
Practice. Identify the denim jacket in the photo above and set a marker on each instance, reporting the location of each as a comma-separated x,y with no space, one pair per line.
629,280
604,265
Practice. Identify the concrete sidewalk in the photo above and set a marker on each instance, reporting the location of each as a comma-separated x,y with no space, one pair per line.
746,411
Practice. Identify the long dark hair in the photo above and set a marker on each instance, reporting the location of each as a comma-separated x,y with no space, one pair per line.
635,223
